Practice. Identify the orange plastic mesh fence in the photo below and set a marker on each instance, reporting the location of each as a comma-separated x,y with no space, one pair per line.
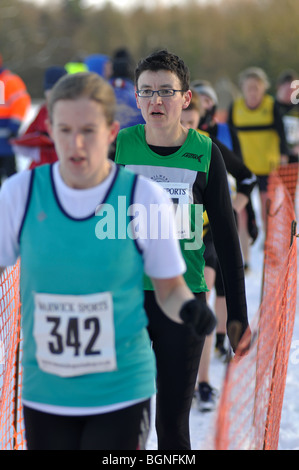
249,413
289,175
11,423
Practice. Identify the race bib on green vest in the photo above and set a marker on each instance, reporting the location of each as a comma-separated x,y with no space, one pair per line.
179,193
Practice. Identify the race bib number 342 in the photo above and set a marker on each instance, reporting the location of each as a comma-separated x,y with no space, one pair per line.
74,334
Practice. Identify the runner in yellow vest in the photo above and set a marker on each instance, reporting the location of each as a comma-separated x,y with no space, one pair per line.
260,129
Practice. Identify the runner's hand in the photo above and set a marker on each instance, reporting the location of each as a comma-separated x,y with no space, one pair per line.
239,337
198,317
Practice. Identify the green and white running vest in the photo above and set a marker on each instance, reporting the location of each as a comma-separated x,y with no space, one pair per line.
177,174
84,326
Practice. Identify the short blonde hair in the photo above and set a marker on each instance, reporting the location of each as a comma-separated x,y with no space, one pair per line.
254,72
84,84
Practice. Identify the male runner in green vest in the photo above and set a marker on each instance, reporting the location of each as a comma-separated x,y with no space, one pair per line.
191,169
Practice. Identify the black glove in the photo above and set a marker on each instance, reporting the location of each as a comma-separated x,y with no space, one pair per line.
239,341
293,158
198,317
251,223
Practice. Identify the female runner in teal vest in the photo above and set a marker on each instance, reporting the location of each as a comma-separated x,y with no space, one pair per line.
88,366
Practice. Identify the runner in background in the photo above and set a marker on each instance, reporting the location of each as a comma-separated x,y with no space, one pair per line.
100,64
76,65
191,169
14,105
287,101
35,143
241,182
122,81
88,365
247,225
258,123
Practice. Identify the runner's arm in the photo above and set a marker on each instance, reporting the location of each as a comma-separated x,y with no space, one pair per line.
245,179
279,126
13,197
164,264
179,304
222,222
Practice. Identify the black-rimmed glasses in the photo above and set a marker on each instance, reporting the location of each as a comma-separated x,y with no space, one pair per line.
163,93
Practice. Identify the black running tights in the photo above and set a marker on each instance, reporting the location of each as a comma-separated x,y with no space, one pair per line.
178,354
125,429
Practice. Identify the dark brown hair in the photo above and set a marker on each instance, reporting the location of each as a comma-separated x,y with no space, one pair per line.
164,60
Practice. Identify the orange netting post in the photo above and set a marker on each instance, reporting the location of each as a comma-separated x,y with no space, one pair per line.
289,175
11,422
249,413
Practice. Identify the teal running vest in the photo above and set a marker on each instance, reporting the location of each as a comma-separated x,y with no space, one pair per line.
84,326
178,175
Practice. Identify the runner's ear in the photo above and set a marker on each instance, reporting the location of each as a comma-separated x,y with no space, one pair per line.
48,126
187,98
115,126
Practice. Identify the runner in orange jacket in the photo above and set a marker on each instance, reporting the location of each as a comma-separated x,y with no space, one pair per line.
14,104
